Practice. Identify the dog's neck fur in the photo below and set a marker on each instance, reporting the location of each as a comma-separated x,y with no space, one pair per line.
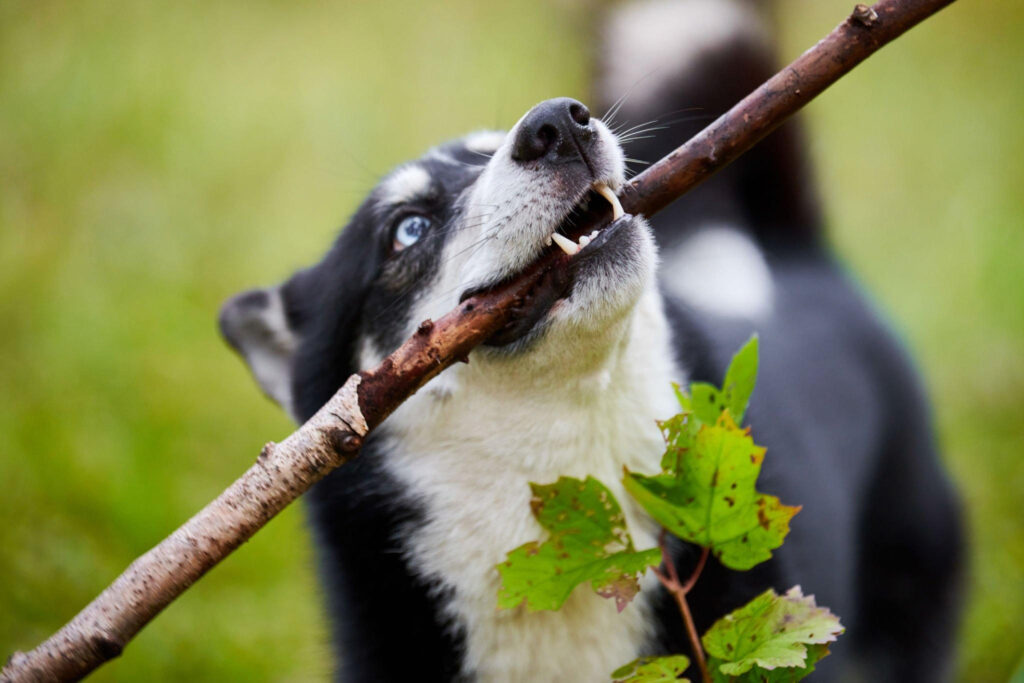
468,446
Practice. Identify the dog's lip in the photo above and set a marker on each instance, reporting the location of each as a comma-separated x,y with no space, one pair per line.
557,280
592,209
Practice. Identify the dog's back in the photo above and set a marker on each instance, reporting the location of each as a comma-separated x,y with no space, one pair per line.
837,404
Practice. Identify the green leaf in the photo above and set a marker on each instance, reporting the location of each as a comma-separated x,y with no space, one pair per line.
779,675
772,638
680,434
588,542
709,498
740,379
707,401
653,670
684,398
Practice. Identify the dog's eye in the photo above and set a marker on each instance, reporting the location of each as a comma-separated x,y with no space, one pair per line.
409,230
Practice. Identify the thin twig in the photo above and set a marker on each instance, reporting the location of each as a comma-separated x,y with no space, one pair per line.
688,586
679,591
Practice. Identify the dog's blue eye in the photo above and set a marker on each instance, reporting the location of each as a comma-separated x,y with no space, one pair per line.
409,230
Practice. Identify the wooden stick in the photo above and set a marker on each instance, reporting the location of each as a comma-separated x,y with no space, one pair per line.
284,471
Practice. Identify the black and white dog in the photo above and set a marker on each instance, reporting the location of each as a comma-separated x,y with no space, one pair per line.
410,532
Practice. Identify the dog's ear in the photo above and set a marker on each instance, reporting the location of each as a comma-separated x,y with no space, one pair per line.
265,327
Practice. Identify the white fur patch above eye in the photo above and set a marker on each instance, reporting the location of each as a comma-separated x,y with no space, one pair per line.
722,271
405,184
485,141
652,42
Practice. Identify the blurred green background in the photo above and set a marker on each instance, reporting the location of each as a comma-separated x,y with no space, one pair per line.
158,157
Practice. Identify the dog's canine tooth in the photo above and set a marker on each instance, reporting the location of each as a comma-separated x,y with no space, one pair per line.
606,192
565,244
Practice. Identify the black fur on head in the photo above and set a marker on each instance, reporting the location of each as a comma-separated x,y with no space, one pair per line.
303,333
365,286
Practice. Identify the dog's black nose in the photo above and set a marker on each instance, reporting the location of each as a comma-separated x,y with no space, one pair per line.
559,129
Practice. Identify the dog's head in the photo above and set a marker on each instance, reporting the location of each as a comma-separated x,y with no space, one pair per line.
465,216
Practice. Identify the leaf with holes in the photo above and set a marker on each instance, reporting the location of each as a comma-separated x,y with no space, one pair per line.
653,670
773,638
705,402
680,434
709,496
588,541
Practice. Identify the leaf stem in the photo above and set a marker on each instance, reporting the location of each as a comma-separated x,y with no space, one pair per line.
691,631
679,591
697,570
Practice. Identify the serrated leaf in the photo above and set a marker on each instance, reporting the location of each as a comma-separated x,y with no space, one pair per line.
653,670
588,542
770,633
740,379
709,496
684,398
707,401
815,653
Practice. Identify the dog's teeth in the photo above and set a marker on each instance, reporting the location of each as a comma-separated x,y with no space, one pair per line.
607,193
584,241
548,242
565,244
593,235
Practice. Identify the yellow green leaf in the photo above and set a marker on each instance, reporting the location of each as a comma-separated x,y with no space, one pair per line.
709,496
587,542
773,638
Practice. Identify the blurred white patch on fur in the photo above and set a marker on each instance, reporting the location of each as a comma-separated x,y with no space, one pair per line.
650,43
441,155
720,270
405,184
485,141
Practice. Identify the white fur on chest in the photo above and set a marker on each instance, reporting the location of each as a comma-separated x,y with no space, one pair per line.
467,451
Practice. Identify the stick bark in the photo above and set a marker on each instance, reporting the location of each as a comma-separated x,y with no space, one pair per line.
334,435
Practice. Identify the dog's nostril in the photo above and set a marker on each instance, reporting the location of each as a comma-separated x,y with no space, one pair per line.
534,141
547,135
579,113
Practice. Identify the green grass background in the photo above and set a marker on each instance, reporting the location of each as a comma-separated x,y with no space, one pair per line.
157,157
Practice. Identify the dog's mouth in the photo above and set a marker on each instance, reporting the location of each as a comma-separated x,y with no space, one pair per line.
571,245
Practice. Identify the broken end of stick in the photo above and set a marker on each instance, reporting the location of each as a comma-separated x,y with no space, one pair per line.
348,402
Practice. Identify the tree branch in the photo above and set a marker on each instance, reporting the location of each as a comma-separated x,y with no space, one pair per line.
335,434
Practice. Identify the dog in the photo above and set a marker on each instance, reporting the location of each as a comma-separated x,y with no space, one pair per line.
408,534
